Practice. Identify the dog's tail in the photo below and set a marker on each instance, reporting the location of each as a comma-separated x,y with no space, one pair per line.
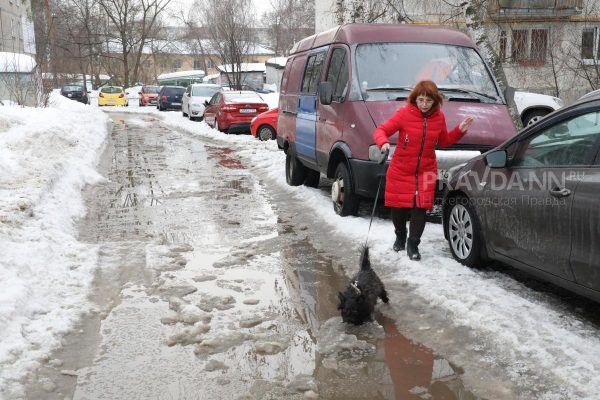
365,263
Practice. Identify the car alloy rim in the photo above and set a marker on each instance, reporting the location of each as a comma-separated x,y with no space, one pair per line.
264,134
533,120
460,231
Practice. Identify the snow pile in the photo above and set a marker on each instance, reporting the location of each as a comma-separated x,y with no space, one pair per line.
47,155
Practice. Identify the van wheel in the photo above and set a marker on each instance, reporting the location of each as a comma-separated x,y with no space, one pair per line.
295,171
464,232
345,201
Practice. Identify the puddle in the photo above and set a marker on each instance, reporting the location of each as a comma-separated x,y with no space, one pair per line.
398,369
224,157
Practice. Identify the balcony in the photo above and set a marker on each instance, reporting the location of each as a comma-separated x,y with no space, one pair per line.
533,9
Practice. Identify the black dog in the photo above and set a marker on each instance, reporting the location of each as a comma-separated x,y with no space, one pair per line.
358,301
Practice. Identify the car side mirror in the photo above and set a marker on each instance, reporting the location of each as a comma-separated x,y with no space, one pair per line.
496,159
206,102
325,93
139,92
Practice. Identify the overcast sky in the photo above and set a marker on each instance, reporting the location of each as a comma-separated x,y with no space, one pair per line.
260,5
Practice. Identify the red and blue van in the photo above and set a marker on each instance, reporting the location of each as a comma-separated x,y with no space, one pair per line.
340,84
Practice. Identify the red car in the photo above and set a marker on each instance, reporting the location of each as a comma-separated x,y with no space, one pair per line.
231,111
148,95
264,126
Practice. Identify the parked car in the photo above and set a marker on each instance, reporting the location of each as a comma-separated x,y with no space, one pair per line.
534,106
231,111
338,85
264,126
75,92
148,95
169,98
533,201
192,105
112,96
593,93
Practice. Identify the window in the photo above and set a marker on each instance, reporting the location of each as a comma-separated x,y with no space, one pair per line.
519,45
312,73
539,44
590,45
198,64
529,47
177,64
567,143
587,44
338,74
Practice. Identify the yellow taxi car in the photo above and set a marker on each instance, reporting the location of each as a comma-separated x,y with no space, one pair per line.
112,96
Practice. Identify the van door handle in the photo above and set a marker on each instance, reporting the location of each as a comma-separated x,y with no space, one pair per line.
560,192
321,119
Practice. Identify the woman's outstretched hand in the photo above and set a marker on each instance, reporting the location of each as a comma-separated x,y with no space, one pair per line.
466,124
384,147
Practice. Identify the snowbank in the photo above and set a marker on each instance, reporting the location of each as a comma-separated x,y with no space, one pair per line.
47,155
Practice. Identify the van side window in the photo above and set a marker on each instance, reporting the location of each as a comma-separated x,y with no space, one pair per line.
314,65
338,73
292,79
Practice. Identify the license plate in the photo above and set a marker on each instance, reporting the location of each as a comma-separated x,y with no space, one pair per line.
247,110
175,104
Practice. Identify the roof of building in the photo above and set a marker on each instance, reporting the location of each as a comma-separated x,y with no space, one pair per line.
195,73
277,62
16,62
244,67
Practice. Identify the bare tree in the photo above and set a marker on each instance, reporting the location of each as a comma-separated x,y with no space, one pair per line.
290,21
229,25
131,26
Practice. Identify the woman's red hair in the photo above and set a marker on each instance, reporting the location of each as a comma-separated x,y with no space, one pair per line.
429,89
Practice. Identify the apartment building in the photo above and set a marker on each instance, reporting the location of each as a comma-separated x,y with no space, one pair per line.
545,46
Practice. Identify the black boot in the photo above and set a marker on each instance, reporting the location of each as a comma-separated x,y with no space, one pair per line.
412,249
400,242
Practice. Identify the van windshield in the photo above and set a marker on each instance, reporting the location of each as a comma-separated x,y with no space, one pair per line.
389,70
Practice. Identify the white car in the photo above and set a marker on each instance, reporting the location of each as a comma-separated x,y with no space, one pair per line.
192,104
534,106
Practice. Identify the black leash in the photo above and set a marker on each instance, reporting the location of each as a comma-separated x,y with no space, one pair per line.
382,158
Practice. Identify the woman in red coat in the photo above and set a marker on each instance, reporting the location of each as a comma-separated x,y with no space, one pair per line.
412,174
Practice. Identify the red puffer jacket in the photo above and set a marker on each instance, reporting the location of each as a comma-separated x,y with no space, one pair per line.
412,174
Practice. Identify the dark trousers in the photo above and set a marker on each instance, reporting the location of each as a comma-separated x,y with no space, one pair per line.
417,220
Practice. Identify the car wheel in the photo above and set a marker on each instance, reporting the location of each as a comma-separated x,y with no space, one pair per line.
533,116
265,133
345,201
190,115
295,171
464,232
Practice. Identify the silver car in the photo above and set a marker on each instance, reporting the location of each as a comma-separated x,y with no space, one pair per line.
194,97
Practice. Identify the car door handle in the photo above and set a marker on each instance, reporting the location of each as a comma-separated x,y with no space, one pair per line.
560,192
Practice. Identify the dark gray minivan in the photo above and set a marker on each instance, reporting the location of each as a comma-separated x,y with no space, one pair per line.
534,201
